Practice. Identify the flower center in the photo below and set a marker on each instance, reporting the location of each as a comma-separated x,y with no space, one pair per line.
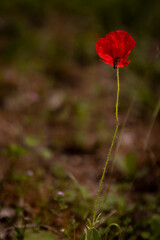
115,62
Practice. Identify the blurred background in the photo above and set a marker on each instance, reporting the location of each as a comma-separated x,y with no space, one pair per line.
57,112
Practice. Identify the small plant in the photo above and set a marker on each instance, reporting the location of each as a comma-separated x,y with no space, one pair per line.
19,233
113,49
15,151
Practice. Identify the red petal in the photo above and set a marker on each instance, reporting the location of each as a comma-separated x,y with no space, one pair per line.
108,62
101,49
119,43
123,63
116,45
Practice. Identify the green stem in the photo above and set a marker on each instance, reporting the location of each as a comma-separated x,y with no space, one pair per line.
110,150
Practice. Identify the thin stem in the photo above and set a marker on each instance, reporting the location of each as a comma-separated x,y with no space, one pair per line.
110,150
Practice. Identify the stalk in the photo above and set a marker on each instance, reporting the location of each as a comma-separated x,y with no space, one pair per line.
94,221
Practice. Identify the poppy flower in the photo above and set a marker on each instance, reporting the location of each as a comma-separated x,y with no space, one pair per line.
115,48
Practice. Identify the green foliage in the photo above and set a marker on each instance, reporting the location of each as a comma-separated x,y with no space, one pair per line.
108,229
45,153
59,172
31,141
20,177
91,235
129,164
145,235
74,224
155,223
113,201
15,151
81,114
19,233
94,234
41,235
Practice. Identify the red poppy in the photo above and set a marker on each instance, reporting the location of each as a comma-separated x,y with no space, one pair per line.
115,48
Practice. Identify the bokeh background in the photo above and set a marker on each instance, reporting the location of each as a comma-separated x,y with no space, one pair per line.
57,115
